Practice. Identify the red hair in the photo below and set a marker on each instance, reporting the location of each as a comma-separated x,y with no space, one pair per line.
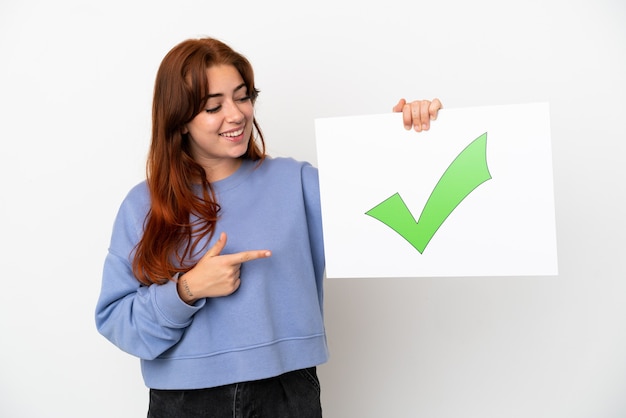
181,89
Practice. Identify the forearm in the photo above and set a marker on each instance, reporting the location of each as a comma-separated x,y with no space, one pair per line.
142,320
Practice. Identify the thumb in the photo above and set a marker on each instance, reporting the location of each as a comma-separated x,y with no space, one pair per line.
217,248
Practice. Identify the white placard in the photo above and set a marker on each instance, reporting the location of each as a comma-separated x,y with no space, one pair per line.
490,214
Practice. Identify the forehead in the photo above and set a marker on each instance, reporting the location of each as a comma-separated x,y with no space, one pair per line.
223,79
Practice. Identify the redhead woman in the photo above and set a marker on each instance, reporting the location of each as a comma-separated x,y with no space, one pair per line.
214,274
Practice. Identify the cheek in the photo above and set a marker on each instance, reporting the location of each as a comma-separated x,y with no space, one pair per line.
249,115
248,111
203,126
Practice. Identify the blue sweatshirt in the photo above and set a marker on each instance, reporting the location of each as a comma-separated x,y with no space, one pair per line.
272,324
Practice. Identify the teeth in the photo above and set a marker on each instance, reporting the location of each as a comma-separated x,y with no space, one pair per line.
233,134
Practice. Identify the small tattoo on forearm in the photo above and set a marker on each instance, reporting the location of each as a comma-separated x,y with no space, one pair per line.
186,287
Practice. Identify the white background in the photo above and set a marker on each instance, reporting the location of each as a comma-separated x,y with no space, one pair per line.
75,90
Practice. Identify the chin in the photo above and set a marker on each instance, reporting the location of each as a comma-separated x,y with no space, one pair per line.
240,153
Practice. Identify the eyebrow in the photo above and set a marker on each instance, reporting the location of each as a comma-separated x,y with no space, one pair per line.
239,87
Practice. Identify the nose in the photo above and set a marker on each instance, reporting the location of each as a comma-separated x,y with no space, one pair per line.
233,113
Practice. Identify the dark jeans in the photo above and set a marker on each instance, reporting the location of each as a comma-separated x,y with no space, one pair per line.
291,395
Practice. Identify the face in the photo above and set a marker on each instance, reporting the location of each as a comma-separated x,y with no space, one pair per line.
219,134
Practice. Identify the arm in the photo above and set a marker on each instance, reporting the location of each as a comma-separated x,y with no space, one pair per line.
142,320
145,321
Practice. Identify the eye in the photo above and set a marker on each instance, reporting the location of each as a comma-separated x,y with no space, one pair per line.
213,109
244,99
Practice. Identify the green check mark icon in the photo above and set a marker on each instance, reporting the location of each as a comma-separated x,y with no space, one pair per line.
468,171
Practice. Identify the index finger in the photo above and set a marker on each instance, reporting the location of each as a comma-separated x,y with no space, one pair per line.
242,257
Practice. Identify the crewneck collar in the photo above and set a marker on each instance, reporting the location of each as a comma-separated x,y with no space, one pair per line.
236,178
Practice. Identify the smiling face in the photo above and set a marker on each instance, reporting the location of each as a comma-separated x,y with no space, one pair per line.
220,133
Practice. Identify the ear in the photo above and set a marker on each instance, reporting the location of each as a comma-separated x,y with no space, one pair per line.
184,130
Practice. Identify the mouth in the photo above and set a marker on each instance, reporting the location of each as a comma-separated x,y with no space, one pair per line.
232,135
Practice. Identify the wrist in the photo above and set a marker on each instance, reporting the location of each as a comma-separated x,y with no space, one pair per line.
184,290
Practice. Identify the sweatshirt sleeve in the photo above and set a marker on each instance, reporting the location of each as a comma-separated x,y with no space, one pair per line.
144,321
311,191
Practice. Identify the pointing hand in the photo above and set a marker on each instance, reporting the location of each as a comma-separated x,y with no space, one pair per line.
216,274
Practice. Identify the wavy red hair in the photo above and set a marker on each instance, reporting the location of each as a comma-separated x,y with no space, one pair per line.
170,239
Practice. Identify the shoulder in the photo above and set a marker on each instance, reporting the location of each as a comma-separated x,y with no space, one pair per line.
300,174
128,225
286,170
138,196
286,164
135,205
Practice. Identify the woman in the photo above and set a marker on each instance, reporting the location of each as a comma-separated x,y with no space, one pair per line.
214,273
